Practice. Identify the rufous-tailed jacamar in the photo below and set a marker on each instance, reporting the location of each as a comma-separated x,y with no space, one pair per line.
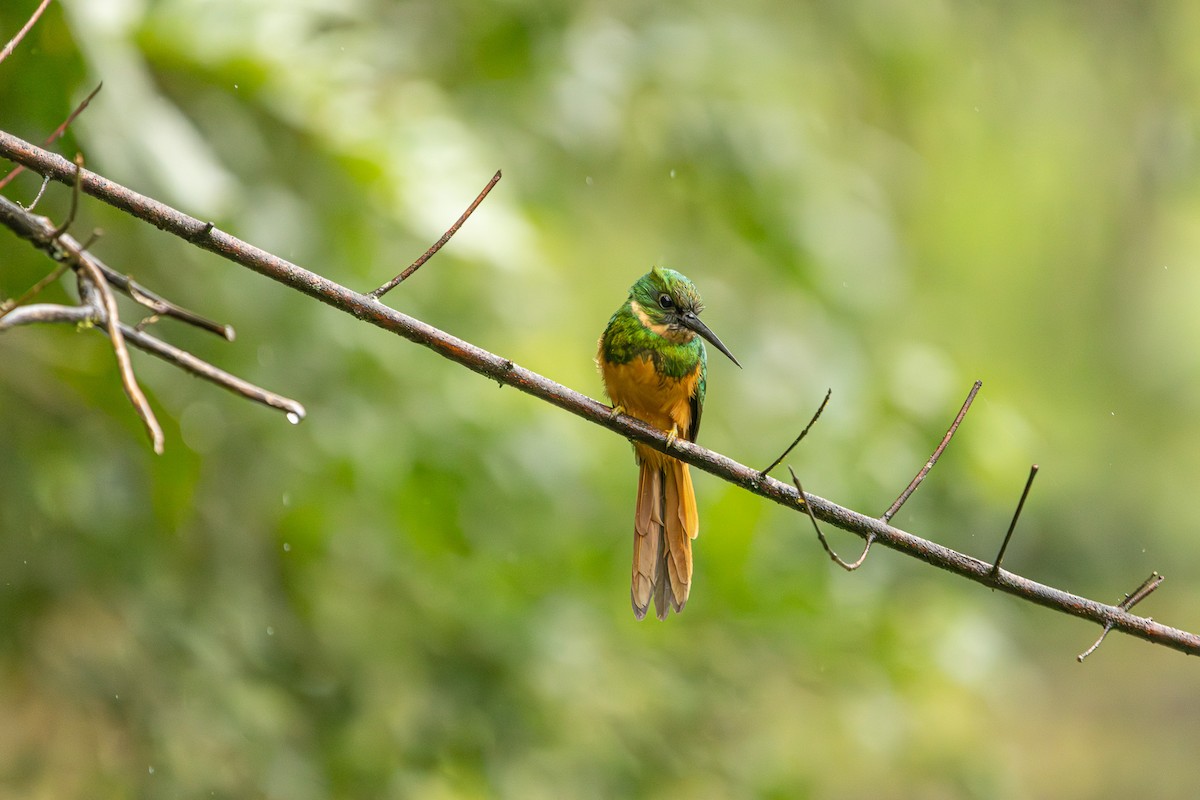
654,367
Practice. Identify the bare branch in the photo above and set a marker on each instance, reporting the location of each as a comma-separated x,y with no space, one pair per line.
66,123
505,372
37,198
160,305
16,40
47,313
112,324
70,220
202,369
96,291
1033,471
70,253
849,567
1132,599
59,131
933,459
803,433
7,306
439,244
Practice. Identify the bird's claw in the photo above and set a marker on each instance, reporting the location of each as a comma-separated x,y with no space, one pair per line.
616,411
672,435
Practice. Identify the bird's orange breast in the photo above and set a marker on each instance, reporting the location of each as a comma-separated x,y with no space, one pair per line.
662,401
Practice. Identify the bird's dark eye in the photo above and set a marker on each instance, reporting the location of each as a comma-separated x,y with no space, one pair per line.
666,302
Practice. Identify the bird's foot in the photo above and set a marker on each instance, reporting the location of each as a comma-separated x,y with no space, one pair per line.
616,411
672,435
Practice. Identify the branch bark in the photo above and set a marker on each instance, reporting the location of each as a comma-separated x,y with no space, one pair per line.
362,306
62,247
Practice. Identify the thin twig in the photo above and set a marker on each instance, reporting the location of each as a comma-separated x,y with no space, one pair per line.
1095,644
453,229
70,218
16,40
1142,592
124,283
1033,471
37,198
54,235
849,567
8,305
96,292
505,372
59,131
62,126
113,325
803,433
160,305
47,313
202,369
1136,596
916,481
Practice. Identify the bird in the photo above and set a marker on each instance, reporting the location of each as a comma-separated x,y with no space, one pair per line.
653,362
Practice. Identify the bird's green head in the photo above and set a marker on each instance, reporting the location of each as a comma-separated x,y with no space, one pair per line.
668,304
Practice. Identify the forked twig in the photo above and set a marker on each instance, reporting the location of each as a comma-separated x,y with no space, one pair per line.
90,274
1138,595
453,229
849,567
916,481
803,433
100,308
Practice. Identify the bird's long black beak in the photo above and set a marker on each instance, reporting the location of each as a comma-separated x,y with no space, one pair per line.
693,322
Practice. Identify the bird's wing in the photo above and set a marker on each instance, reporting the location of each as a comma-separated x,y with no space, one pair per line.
698,399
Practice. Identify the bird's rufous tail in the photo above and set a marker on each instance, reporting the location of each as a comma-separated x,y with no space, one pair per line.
664,525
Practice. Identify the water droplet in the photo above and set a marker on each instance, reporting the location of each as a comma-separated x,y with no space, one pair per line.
588,180
270,631
672,173
287,499
151,770
293,418
287,548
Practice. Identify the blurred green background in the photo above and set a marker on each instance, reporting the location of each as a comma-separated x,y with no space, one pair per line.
422,590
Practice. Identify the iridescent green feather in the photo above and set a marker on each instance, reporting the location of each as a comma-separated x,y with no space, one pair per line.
627,337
